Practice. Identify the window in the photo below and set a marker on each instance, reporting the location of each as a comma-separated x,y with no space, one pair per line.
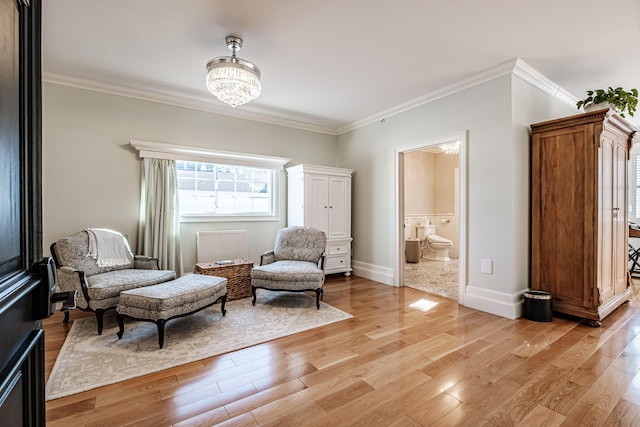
221,185
219,189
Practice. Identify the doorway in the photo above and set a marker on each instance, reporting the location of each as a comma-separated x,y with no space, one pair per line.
431,199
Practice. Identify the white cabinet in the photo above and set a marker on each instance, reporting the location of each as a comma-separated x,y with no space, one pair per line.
320,197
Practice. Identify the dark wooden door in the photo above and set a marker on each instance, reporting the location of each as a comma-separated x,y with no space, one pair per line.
21,336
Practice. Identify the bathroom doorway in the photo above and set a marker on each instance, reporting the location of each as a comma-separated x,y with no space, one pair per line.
431,216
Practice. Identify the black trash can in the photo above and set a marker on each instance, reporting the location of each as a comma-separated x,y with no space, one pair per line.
537,306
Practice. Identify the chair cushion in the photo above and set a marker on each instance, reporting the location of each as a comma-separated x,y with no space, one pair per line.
110,284
299,244
289,271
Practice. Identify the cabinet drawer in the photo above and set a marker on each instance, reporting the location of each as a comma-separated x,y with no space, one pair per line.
337,249
336,262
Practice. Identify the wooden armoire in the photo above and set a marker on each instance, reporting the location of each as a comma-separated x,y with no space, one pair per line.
579,213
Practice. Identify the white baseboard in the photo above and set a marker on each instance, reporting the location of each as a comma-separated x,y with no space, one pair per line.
373,272
494,302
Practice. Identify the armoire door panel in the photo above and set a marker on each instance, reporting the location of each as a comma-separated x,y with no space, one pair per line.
563,230
316,208
606,214
338,204
621,220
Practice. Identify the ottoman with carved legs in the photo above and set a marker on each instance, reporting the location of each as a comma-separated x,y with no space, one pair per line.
176,298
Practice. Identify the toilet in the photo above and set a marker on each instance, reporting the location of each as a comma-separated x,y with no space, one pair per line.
434,247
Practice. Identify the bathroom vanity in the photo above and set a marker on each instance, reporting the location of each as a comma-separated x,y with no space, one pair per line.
578,212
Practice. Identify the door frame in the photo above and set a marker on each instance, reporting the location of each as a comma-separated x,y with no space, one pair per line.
399,198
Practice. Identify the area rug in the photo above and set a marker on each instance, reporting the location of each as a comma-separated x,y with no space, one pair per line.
88,360
437,277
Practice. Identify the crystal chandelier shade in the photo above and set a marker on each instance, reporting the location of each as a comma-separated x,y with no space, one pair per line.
451,148
232,80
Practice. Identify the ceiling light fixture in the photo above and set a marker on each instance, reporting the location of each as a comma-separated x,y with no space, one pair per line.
450,147
232,80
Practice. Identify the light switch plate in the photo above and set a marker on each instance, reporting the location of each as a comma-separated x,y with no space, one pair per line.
486,266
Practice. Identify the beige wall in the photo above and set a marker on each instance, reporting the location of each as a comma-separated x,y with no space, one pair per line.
444,186
419,184
429,182
91,177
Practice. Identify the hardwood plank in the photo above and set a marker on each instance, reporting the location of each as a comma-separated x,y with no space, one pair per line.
564,397
632,394
390,365
264,397
624,414
427,413
213,417
602,397
527,398
330,402
383,405
542,417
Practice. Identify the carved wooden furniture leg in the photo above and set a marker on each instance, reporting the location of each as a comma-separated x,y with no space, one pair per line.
100,319
120,320
160,324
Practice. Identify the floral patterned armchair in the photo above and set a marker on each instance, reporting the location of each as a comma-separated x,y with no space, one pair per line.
295,264
98,288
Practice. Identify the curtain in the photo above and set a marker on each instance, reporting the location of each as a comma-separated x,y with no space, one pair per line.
159,226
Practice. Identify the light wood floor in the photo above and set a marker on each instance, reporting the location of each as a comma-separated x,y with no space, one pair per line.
390,365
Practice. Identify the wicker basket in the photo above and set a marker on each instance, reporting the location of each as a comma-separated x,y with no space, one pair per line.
238,276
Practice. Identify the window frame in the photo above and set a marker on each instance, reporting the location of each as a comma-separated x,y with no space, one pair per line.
195,154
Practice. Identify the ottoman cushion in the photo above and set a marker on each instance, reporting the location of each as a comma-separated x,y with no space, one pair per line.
184,295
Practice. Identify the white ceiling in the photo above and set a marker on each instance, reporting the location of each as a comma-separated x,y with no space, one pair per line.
332,63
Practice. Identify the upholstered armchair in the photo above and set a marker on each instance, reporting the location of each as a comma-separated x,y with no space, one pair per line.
98,288
295,264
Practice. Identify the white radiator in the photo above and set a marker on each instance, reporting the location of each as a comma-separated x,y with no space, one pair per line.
223,244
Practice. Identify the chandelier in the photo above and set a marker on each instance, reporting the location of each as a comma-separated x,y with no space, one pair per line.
450,147
232,80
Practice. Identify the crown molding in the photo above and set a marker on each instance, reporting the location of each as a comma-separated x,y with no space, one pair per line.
532,76
516,67
163,95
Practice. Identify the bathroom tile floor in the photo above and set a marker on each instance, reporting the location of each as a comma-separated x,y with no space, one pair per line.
437,277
